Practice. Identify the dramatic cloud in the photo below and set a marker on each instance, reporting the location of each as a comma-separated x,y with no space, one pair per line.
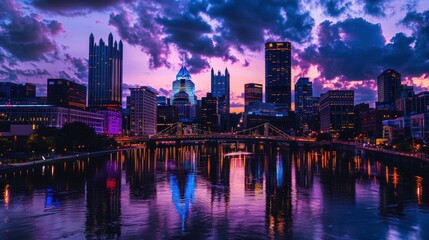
355,49
9,74
144,32
209,29
165,92
68,7
247,25
26,37
335,8
79,67
376,8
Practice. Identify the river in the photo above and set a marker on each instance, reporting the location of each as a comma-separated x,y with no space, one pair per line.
197,192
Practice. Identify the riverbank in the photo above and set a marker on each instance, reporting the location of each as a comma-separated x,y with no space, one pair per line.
26,165
420,156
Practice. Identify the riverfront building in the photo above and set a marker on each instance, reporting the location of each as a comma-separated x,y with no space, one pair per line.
210,117
49,116
142,105
304,103
336,111
65,93
105,74
105,82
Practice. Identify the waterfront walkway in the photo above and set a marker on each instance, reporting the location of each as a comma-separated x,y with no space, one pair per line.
420,155
29,164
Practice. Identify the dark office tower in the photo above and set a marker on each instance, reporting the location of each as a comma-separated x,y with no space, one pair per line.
209,113
65,93
278,74
389,86
14,90
220,89
252,94
303,103
105,75
336,111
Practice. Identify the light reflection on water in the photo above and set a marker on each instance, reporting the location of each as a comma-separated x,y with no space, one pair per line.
195,192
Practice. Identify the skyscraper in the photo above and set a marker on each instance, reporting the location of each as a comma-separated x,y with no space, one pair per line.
105,74
252,94
389,86
220,88
278,74
303,103
209,113
337,111
142,104
65,93
189,85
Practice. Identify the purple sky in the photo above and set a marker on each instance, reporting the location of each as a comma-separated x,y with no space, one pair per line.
340,44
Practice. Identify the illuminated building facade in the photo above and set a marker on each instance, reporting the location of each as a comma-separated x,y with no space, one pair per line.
278,74
389,86
220,88
210,113
189,85
142,111
337,111
252,94
105,74
65,93
50,116
304,109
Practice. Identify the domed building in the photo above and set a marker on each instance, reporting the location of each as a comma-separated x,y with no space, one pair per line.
186,110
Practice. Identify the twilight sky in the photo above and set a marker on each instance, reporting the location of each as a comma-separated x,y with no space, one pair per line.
340,44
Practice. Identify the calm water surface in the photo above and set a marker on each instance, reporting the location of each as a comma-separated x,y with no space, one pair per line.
198,193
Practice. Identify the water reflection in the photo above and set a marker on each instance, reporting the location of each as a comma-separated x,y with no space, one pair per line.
197,192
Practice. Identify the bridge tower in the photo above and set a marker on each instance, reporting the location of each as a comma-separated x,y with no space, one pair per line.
266,129
179,129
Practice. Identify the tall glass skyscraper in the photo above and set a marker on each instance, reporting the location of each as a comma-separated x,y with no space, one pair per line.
304,103
189,85
220,88
389,86
105,74
278,74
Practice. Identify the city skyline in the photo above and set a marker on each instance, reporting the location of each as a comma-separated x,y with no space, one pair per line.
390,35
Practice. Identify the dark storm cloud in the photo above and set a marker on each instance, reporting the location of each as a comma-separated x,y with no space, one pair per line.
144,32
13,74
335,8
207,29
62,6
196,63
376,8
346,49
355,49
246,25
79,67
419,24
26,37
164,92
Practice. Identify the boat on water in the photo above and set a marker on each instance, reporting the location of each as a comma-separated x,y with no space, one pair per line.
234,154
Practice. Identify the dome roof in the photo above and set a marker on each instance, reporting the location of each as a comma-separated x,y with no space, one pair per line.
181,98
183,72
